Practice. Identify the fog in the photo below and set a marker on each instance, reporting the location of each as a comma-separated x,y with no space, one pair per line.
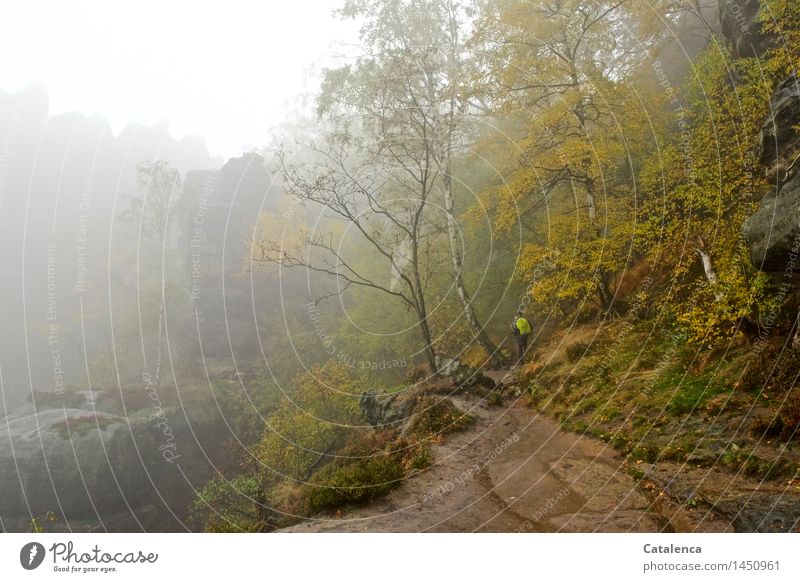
260,259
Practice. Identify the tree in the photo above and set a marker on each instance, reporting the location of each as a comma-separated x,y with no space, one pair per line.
355,180
160,189
561,69
421,43
700,188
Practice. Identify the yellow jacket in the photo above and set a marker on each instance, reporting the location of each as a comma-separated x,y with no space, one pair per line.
523,326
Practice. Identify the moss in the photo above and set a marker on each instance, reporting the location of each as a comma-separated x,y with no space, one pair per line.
690,393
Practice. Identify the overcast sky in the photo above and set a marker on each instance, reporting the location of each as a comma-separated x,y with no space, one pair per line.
224,70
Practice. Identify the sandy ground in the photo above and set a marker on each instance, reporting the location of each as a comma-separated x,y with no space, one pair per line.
512,471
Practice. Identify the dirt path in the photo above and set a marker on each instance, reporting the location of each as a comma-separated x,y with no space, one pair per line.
512,471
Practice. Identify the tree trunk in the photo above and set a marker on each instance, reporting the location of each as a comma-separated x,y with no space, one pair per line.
422,318
430,354
708,269
421,309
796,338
590,202
478,332
160,342
606,297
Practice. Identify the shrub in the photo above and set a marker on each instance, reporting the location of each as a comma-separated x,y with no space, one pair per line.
419,458
353,482
789,415
437,417
494,398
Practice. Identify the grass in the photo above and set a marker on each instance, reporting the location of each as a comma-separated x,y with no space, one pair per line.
653,397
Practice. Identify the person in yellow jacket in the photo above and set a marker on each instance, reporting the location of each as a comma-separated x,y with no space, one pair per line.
521,328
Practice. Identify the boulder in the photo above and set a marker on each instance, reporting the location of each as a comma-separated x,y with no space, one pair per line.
463,376
388,410
773,232
779,140
739,24
98,471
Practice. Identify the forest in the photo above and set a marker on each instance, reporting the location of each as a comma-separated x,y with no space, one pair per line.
301,331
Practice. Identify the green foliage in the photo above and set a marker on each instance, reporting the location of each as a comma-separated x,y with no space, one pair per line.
494,398
690,392
236,504
354,482
420,457
698,191
311,423
39,523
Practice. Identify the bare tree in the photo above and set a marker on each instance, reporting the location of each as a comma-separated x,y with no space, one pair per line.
355,180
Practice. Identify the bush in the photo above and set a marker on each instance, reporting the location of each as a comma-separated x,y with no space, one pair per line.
419,458
767,426
437,417
354,482
494,398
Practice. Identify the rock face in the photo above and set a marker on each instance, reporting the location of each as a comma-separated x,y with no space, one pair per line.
779,140
388,410
739,24
225,206
103,472
62,179
747,504
773,232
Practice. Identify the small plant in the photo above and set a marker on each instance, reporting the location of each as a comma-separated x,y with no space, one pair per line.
420,458
38,523
647,453
494,398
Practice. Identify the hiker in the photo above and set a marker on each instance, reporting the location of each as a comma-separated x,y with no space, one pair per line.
521,328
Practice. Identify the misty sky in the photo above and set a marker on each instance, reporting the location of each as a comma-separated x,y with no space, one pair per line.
224,70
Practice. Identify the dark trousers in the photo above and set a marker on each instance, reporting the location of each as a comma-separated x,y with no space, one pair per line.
522,346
